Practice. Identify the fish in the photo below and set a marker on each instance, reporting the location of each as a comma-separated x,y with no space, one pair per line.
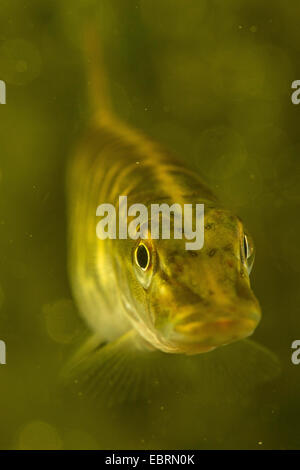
155,310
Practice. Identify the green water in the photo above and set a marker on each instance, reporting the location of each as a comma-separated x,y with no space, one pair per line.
211,80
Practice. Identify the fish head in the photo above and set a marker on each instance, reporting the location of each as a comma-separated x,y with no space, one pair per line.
193,301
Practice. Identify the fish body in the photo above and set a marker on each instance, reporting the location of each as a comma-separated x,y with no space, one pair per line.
183,302
187,301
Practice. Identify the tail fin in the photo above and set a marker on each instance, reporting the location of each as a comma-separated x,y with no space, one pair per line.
98,92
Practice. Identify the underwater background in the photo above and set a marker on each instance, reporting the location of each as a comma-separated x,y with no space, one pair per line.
211,80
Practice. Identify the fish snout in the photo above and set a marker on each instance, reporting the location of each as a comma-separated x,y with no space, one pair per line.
195,333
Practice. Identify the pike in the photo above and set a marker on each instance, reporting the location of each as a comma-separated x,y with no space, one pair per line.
149,299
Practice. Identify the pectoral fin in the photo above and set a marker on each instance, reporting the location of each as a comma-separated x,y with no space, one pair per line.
124,371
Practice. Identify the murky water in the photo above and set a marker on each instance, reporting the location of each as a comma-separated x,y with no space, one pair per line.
211,80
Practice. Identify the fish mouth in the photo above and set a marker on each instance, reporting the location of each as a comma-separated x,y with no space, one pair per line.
192,334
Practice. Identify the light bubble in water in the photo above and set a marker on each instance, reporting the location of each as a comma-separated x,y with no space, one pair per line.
62,321
20,61
39,435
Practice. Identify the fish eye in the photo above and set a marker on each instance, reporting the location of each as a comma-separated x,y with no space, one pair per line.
142,256
247,252
246,247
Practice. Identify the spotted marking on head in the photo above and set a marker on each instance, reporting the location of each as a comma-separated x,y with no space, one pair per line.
194,301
